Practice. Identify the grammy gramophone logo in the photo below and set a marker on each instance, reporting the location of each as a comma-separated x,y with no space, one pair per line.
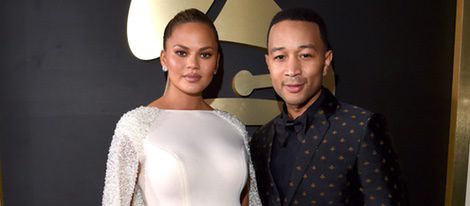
240,21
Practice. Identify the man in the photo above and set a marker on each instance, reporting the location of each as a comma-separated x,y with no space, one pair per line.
318,151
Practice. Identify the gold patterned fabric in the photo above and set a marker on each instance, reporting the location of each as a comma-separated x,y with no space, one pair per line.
346,158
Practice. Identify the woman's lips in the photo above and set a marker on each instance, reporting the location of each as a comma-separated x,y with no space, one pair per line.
192,77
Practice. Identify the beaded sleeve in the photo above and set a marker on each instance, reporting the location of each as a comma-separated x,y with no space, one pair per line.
124,156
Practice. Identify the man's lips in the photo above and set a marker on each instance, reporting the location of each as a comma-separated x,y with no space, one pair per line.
192,77
293,88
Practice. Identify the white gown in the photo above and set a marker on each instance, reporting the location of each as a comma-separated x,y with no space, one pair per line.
178,158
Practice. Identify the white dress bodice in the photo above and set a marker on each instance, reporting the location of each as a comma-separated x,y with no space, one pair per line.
176,157
192,158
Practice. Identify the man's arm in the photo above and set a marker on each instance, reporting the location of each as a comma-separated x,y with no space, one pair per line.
378,166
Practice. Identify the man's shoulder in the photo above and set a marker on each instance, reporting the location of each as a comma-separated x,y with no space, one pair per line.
336,108
344,109
262,132
266,127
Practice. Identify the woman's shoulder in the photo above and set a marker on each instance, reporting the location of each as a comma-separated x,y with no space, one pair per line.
233,120
137,119
229,117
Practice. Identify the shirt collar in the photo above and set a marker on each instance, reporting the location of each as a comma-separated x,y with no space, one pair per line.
285,125
305,118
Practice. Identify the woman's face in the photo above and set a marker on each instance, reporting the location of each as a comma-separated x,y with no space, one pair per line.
191,56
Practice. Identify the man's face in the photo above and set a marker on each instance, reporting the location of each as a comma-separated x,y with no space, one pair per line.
297,61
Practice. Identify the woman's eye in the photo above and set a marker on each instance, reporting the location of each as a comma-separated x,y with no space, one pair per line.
181,53
206,55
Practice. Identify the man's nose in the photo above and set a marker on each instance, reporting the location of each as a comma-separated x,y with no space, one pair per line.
293,67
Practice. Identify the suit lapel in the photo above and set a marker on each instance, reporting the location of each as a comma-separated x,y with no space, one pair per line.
274,197
265,178
315,134
313,138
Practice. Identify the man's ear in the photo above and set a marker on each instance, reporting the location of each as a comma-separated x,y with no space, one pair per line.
328,60
267,60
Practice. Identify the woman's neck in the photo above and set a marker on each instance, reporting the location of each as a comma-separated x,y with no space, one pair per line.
180,101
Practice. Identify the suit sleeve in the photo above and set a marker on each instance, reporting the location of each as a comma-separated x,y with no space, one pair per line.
121,172
378,166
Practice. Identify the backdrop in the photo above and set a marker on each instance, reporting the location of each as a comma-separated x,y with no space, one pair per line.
67,75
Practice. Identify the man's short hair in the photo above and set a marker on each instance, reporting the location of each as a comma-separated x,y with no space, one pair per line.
302,14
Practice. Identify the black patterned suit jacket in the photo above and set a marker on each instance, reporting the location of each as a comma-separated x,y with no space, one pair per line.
345,159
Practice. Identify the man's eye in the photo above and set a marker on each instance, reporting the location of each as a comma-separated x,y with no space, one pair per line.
306,56
181,53
279,57
206,55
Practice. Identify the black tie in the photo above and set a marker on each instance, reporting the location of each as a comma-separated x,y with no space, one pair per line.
291,128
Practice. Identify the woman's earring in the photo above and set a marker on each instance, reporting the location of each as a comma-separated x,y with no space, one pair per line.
164,69
215,72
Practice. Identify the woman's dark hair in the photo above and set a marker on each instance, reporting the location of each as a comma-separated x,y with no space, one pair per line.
188,16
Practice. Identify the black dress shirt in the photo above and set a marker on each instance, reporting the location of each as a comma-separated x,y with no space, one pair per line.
286,143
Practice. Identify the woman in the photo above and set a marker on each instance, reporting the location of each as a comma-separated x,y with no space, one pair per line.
178,150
